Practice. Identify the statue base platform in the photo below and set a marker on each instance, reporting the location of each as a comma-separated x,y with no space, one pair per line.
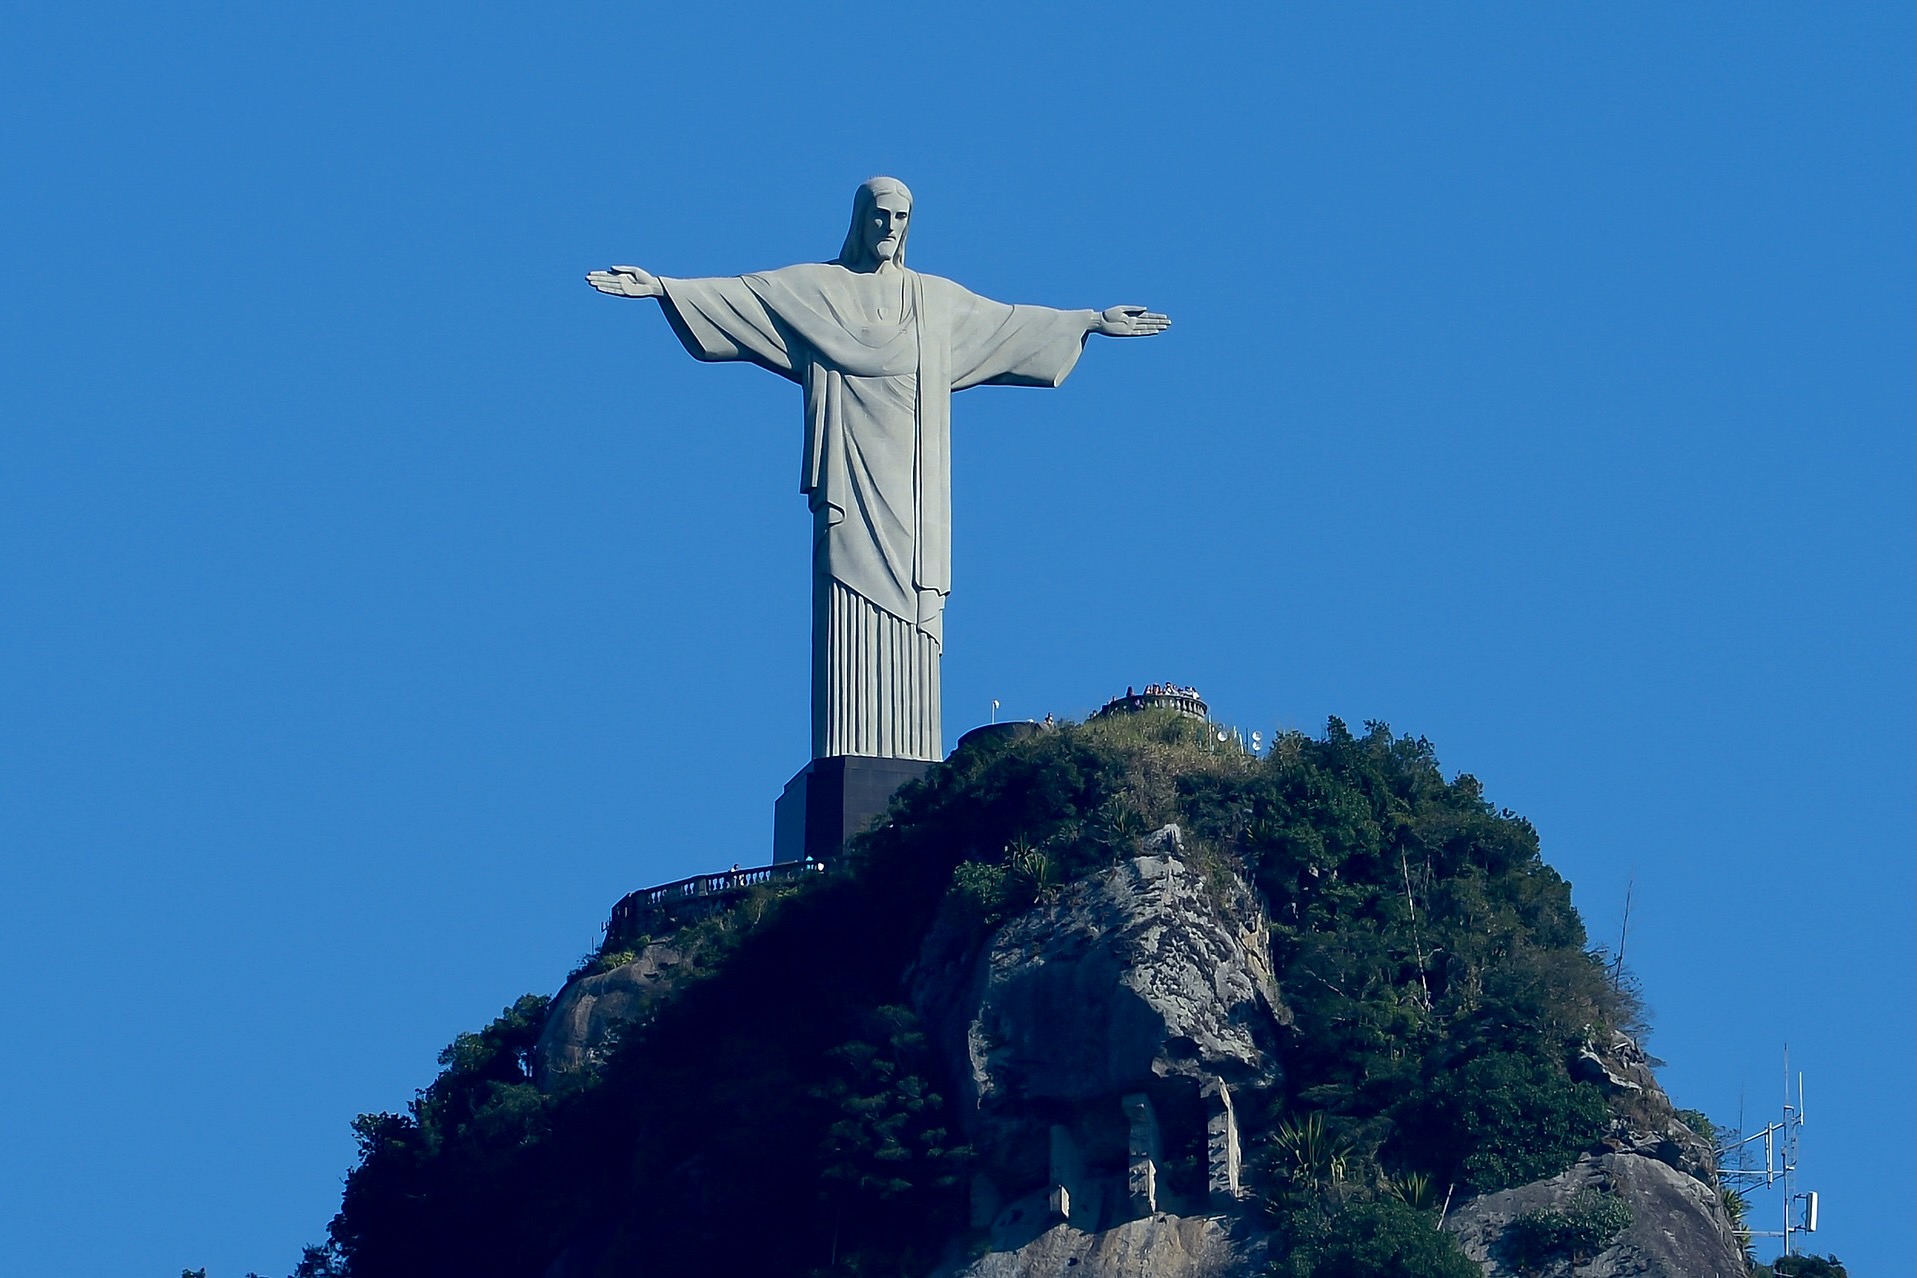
834,798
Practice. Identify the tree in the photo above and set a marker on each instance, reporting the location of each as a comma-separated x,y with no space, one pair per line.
887,1150
1503,1119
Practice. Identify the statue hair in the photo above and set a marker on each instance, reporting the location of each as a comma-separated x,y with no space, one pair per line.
863,201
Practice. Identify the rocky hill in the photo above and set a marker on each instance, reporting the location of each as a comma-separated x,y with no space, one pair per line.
1108,1000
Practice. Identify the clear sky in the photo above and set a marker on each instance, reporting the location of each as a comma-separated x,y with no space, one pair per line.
378,604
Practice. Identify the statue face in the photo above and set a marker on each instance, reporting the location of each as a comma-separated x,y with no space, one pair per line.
885,227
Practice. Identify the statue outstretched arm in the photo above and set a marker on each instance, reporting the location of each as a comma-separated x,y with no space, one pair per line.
1121,321
717,320
626,281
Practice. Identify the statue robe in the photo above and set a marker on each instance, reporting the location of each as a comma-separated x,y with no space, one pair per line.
879,355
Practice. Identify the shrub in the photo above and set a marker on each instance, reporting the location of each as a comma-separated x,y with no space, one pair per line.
983,888
1697,1122
1413,1189
1577,1231
1313,1156
1505,1119
1382,1238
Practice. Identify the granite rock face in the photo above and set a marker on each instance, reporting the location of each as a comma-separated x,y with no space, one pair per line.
1678,1227
1139,973
1097,1039
581,1022
1646,1122
1161,1246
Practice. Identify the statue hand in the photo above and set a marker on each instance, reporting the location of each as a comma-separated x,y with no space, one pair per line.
1132,321
626,281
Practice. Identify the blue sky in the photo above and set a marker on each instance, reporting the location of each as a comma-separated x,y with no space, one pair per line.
380,604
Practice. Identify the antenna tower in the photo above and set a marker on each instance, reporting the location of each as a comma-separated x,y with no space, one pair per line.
1738,1170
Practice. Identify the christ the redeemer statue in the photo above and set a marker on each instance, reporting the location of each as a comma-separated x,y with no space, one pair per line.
879,350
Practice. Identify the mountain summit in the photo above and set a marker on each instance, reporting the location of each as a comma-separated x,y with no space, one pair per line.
1103,999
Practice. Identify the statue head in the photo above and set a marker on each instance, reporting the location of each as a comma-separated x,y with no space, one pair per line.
881,214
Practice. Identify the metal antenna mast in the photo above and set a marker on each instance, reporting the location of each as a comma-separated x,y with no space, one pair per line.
1779,1168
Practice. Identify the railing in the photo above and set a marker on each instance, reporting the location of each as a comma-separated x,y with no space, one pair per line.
702,887
1184,703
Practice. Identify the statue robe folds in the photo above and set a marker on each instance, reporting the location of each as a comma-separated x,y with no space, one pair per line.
879,355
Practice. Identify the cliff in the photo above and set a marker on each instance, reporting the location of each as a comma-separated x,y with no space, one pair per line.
1109,1000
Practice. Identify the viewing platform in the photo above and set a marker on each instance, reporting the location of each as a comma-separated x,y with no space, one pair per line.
854,791
1159,696
698,895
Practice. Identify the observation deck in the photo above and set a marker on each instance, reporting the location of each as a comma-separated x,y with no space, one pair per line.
1159,696
686,899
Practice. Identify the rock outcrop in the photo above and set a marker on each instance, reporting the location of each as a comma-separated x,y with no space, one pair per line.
1646,1122
582,1020
1097,1039
1677,1225
1161,1246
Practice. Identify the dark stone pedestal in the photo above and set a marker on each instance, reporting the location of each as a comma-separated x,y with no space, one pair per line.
832,799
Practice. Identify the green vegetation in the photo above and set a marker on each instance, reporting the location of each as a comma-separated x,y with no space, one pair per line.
1502,1119
1575,1232
1806,1267
1697,1122
887,1148
1381,1238
780,1106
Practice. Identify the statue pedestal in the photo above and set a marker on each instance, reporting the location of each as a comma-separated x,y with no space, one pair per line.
832,799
